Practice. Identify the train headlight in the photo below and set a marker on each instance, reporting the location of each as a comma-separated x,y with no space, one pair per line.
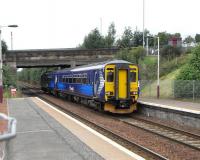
109,93
134,93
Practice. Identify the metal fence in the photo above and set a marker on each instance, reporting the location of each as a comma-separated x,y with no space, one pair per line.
180,89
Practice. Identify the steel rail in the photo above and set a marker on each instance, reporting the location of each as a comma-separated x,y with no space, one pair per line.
151,153
183,137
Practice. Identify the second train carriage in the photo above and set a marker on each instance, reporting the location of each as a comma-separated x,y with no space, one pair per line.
111,85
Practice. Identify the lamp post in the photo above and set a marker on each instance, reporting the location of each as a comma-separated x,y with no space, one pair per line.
147,45
158,74
143,21
1,64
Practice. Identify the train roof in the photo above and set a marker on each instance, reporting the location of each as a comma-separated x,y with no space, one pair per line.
92,66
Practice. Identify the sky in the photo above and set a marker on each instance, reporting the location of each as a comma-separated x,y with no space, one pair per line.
65,23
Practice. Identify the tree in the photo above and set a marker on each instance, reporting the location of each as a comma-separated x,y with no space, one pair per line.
9,76
177,35
138,38
170,52
197,38
110,38
189,39
164,37
4,47
94,40
137,54
192,70
133,55
126,39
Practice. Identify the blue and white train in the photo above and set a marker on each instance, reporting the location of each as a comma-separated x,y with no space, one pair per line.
112,85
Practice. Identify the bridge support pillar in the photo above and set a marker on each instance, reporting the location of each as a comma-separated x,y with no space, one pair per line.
73,64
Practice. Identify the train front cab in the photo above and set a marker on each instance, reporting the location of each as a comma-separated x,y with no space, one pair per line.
121,88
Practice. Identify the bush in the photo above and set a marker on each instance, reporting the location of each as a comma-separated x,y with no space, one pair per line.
170,52
9,76
132,55
190,71
186,89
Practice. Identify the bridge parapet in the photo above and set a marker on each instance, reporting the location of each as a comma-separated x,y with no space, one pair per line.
58,57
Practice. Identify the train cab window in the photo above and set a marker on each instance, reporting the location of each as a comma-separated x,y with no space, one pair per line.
133,76
110,76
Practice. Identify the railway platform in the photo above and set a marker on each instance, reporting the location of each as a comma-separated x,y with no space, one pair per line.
44,132
190,107
3,127
183,113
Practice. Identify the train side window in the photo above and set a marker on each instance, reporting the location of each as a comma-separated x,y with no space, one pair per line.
133,76
70,80
78,80
84,80
110,76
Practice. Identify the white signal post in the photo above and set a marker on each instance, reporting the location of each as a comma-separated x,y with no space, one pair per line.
1,64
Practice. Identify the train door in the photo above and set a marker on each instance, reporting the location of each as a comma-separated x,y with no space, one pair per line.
122,84
55,81
95,84
110,81
134,81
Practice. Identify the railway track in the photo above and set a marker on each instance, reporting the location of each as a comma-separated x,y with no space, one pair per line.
122,140
180,136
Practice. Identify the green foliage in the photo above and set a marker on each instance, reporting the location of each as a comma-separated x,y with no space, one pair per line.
192,70
126,40
148,68
32,75
168,66
131,54
110,38
186,89
4,47
9,76
138,39
189,39
189,73
197,38
177,35
164,37
94,40
171,52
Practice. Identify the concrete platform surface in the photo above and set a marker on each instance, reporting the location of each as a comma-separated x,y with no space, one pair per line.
40,137
44,132
172,104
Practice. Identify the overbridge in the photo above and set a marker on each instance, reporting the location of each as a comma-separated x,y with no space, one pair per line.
57,57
